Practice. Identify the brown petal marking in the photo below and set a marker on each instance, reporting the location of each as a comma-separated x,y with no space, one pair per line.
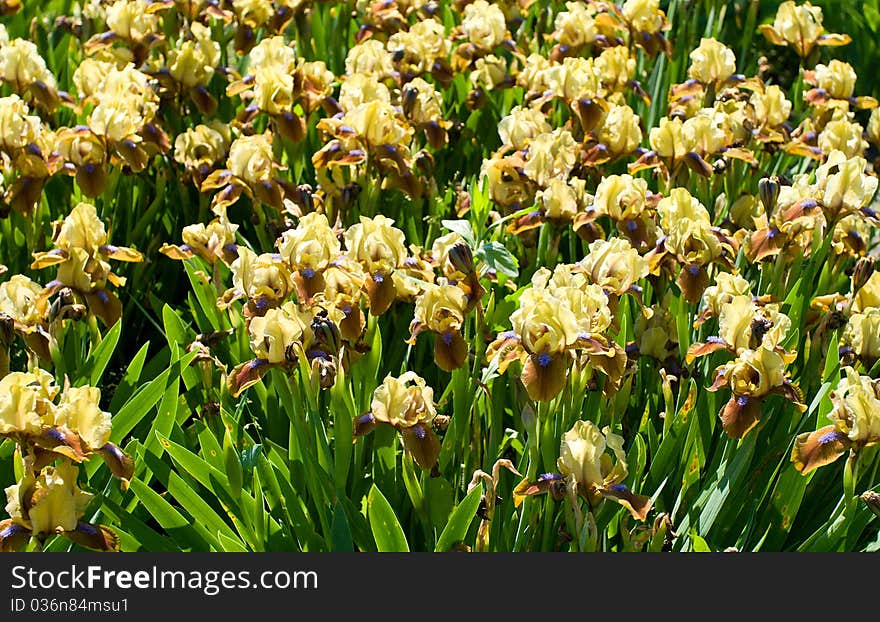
246,375
133,154
815,449
528,489
91,179
421,441
229,195
240,86
740,153
25,193
204,101
801,208
765,242
307,287
50,258
105,305
592,345
804,150
352,325
817,97
595,154
693,281
740,415
791,392
638,505
13,537
507,348
62,441
697,164
121,253
436,135
269,192
364,424
530,221
155,135
176,252
291,126
612,366
589,112
119,462
94,537
699,349
636,231
380,291
216,179
544,375
656,256
646,161
588,231
450,350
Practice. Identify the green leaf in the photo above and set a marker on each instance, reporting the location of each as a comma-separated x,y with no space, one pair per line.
138,406
206,297
175,523
148,539
95,365
440,500
462,228
386,528
460,520
129,381
699,544
341,533
496,256
230,545
232,463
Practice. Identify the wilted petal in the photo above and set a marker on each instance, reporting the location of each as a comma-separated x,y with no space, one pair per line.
816,449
